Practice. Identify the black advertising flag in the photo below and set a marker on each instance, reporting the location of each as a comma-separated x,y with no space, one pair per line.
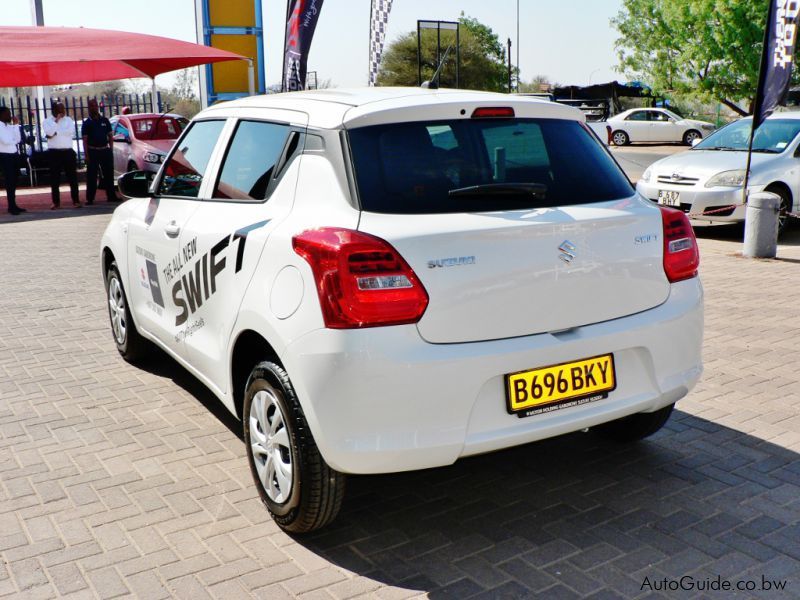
300,25
780,39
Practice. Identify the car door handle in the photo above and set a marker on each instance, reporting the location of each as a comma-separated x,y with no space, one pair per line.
172,230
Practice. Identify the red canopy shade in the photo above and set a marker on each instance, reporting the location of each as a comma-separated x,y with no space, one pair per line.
56,55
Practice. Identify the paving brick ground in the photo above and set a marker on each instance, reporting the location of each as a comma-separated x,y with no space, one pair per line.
117,481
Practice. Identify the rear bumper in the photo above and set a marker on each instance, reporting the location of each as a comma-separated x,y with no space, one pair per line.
382,400
698,200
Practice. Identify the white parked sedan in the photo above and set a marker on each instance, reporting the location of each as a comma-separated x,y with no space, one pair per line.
706,181
390,279
656,125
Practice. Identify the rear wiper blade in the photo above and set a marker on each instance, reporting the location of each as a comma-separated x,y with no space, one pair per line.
537,190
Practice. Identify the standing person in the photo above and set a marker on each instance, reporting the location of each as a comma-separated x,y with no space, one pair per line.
58,128
98,143
9,138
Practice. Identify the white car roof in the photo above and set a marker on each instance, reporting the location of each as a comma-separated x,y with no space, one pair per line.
334,108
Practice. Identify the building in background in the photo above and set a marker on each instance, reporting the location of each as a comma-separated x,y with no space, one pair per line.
237,26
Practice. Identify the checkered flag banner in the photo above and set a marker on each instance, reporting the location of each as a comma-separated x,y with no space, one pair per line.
377,35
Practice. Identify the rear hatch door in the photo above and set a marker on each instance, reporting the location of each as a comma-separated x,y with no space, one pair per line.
515,225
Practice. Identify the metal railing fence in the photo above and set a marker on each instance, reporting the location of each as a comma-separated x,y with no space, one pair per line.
32,113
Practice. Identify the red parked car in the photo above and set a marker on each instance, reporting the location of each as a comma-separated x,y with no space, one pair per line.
141,141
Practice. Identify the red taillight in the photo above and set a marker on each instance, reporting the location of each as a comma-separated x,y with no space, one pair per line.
681,255
492,111
361,280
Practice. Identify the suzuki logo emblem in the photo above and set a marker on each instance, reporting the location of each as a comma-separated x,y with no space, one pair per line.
676,177
567,249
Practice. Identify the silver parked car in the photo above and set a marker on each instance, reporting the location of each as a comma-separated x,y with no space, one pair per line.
707,180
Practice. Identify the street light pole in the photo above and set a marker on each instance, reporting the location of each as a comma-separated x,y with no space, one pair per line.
42,93
518,71
509,65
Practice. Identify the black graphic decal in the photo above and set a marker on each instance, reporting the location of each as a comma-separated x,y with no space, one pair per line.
240,235
155,287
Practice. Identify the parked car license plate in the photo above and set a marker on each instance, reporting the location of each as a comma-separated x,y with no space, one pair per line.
669,198
560,386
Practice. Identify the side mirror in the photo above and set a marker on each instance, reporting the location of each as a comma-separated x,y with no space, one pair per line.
135,184
696,141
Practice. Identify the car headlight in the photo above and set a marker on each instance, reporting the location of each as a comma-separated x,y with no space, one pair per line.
152,157
646,176
727,179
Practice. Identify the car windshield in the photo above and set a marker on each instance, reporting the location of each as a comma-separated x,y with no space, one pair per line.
773,136
158,128
481,165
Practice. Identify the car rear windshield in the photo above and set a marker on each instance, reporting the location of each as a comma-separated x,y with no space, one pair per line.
510,164
158,128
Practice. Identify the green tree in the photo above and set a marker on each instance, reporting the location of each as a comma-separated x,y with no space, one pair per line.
540,83
182,97
483,65
698,49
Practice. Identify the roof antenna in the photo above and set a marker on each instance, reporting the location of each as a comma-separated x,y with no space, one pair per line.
433,83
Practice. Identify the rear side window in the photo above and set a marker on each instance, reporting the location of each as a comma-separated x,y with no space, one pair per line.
639,115
251,160
423,168
185,169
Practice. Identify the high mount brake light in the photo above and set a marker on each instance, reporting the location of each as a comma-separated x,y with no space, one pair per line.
492,112
681,254
362,281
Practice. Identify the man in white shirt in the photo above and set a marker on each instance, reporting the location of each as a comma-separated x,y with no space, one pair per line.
59,129
9,138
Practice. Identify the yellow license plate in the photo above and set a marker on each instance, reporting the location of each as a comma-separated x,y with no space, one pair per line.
560,386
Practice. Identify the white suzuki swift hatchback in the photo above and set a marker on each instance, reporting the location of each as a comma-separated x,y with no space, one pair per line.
390,279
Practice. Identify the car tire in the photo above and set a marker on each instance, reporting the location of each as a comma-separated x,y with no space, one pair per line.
130,344
786,207
691,135
620,138
300,491
635,427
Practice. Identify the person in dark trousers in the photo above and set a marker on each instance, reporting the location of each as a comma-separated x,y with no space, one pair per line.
9,157
59,129
98,143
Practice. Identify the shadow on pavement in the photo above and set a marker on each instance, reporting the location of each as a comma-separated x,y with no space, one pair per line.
734,232
161,364
571,514
65,212
579,511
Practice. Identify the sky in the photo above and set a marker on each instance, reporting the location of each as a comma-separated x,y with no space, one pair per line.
571,43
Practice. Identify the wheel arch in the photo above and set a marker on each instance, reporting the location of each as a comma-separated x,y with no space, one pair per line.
107,259
616,130
783,186
249,349
691,130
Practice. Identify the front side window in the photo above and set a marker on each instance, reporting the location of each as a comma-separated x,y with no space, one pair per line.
184,171
251,161
120,129
481,165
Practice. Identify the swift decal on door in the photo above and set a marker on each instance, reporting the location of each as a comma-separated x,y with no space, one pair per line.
198,282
